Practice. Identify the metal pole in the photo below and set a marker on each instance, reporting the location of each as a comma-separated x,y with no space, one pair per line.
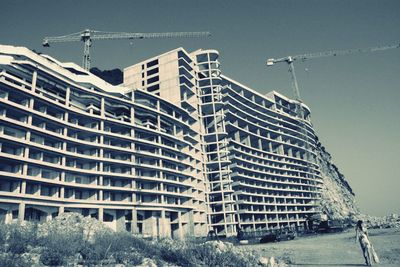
294,80
86,53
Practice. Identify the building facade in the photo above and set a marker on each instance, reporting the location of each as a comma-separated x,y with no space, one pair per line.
177,150
70,142
259,160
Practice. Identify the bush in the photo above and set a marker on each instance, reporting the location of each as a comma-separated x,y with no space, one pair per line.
3,237
13,260
72,237
61,238
19,237
52,257
128,258
192,254
208,255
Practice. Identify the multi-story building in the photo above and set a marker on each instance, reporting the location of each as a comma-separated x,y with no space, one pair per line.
260,162
70,142
177,150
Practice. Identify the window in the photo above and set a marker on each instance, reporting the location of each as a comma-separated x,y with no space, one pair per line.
153,88
152,80
152,63
151,72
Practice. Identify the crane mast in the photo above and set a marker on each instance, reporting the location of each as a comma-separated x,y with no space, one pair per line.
299,110
87,36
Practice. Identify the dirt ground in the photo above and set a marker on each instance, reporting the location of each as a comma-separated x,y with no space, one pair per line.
338,249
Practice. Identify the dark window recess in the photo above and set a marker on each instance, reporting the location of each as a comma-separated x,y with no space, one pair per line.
152,80
152,63
151,72
153,88
204,82
181,54
142,83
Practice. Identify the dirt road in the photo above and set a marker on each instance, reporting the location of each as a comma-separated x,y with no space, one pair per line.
334,249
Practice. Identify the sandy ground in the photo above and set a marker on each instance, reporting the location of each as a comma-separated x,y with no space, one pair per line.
334,249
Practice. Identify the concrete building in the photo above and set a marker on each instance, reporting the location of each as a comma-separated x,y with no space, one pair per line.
70,142
259,154
177,150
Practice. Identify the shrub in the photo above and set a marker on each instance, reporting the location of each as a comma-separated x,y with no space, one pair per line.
128,257
52,257
173,251
60,241
13,260
19,237
3,237
109,244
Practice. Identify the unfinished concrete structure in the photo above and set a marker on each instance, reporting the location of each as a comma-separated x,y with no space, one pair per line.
71,142
177,150
260,162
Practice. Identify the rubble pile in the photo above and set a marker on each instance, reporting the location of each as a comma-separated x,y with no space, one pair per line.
337,197
391,221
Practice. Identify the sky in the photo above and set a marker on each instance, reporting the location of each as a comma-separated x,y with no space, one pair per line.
354,99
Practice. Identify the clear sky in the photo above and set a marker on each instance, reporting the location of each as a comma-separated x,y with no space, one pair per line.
354,99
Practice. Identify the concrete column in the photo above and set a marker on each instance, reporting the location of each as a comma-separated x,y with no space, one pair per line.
62,179
60,210
21,211
164,226
102,108
101,214
149,224
67,96
23,187
280,149
8,218
48,217
237,136
159,122
191,223
132,115
34,80
120,217
66,117
180,226
25,166
134,225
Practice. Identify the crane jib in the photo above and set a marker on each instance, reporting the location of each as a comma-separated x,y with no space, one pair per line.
88,35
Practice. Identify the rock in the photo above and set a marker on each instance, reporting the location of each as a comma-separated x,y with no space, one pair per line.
263,261
148,263
220,246
337,197
380,222
272,262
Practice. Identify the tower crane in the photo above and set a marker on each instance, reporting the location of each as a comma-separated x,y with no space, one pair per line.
291,59
87,36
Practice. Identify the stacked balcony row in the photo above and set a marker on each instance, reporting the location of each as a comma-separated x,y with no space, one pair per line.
63,143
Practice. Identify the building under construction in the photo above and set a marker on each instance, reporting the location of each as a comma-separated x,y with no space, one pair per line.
177,150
